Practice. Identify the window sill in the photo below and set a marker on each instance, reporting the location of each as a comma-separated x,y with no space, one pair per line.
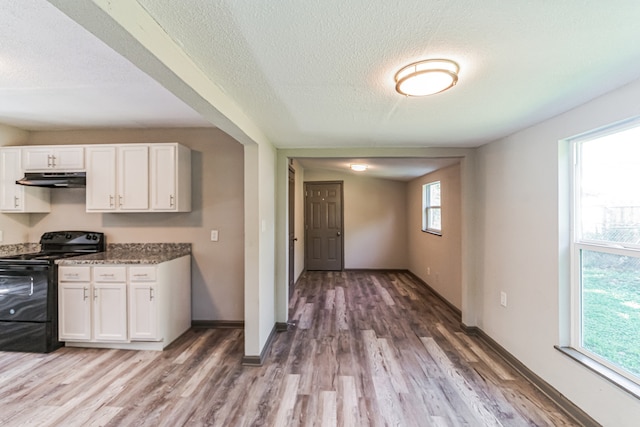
435,233
612,376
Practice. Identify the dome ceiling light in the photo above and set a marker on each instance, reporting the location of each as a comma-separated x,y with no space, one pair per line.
358,167
427,77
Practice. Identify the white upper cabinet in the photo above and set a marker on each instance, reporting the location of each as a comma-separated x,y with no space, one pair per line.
15,198
133,177
53,158
101,178
118,178
170,184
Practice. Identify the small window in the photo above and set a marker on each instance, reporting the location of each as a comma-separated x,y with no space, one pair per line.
431,207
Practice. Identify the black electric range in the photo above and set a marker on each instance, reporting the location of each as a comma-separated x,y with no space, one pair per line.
29,290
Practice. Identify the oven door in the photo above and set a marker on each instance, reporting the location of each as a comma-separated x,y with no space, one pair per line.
24,293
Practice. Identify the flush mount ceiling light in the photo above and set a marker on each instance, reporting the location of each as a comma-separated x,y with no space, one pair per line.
427,77
358,167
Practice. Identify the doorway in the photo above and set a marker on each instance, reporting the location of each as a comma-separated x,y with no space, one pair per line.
292,229
324,243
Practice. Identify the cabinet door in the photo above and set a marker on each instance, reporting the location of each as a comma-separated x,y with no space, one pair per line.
11,194
40,158
14,197
163,177
74,311
110,312
101,178
133,177
143,312
68,158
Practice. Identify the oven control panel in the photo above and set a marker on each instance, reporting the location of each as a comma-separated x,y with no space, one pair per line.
71,237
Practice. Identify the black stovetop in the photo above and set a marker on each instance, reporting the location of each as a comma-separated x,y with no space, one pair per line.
60,244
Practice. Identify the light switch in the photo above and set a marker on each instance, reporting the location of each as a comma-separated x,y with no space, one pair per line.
214,235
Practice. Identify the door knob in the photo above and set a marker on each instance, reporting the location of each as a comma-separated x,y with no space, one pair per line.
339,234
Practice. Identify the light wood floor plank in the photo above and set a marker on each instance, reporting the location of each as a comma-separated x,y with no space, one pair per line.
459,384
287,400
369,349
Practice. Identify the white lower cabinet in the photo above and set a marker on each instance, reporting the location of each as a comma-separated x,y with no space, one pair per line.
74,311
92,308
142,307
109,290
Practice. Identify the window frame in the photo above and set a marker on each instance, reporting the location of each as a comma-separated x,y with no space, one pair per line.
428,208
621,377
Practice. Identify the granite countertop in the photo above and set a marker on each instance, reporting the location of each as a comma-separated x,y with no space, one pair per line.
132,253
19,248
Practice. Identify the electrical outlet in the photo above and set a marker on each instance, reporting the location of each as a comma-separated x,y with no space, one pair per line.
214,235
503,299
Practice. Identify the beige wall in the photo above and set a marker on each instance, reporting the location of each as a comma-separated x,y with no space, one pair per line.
442,255
374,220
217,194
523,246
267,211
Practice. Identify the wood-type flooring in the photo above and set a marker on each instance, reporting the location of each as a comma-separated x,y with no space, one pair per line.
367,349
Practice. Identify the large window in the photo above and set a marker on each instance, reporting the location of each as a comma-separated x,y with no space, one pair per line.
606,249
432,211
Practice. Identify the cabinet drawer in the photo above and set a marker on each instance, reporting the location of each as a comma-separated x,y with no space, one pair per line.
109,274
74,274
142,273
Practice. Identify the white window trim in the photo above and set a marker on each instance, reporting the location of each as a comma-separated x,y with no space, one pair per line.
623,379
426,207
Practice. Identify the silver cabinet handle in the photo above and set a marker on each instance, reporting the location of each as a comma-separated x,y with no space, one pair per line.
84,293
49,156
111,200
150,294
53,161
171,200
119,201
16,201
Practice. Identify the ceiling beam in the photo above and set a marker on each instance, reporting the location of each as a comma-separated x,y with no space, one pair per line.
128,29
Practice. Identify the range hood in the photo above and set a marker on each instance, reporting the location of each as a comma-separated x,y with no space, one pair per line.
54,179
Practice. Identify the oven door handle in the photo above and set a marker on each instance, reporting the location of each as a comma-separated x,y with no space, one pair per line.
31,291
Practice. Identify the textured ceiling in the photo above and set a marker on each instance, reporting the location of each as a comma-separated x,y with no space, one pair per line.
56,75
397,169
320,73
